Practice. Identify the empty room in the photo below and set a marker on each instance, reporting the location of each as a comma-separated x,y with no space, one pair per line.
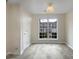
39,29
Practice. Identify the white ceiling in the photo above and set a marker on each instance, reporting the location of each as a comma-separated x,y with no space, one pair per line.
40,6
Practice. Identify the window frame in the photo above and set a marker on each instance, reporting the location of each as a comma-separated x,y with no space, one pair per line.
48,25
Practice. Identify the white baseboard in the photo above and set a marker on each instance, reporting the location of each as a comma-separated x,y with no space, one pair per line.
9,53
69,46
13,53
20,53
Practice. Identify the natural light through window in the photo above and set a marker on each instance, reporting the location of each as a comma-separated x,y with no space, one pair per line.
48,28
43,20
52,20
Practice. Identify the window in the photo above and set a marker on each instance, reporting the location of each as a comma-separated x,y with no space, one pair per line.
48,28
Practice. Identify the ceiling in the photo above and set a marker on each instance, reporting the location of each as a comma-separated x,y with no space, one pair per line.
40,6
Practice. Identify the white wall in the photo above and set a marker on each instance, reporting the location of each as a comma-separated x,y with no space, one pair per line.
12,28
69,29
18,29
34,35
25,30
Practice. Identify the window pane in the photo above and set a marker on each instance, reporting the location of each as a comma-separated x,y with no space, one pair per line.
48,28
52,20
43,20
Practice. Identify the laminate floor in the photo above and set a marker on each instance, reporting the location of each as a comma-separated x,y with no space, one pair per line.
47,51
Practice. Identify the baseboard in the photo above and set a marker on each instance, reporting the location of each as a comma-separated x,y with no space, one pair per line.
69,46
8,53
46,42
